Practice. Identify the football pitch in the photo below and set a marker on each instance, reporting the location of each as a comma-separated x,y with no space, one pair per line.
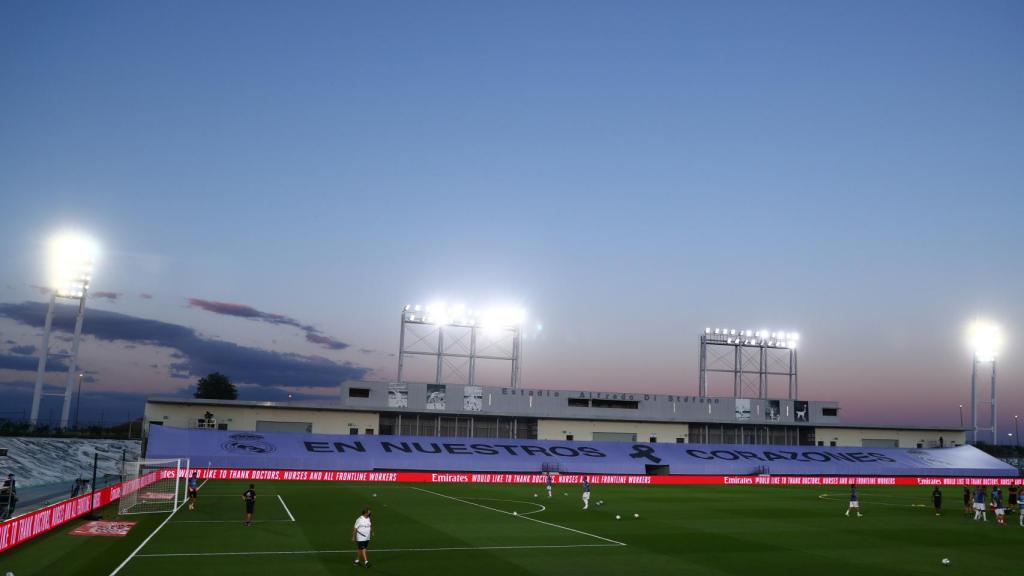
304,528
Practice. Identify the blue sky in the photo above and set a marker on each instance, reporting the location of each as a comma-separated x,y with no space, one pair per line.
629,173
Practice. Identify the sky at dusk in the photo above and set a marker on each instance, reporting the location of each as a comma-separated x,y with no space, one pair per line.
271,182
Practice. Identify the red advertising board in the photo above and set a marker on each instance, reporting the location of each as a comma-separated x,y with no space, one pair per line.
520,478
28,526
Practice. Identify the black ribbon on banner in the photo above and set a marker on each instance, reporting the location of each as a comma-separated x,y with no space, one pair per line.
642,451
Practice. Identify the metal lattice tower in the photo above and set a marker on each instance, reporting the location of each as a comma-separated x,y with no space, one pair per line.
458,338
751,358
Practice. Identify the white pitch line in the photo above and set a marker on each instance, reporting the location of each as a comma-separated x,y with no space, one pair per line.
616,542
377,551
150,537
225,521
286,508
541,506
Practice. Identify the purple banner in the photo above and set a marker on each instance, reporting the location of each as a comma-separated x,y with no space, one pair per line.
286,450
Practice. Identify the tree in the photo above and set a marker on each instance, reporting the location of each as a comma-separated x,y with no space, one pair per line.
216,386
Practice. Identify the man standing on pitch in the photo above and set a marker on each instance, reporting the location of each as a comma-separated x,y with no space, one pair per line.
937,500
547,480
586,492
250,503
361,533
193,491
854,503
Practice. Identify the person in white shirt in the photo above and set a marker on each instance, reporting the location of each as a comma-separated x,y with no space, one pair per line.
361,533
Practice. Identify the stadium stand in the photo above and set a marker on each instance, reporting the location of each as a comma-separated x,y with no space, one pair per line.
297,451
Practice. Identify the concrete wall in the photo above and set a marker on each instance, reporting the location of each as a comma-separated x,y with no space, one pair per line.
903,438
584,430
540,403
245,417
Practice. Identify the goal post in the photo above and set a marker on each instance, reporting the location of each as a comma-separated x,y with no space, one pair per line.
153,486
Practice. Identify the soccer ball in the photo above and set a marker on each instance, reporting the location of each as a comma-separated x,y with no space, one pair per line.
534,495
636,515
374,495
617,517
515,513
945,561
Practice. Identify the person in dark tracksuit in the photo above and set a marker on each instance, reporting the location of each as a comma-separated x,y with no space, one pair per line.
937,500
250,503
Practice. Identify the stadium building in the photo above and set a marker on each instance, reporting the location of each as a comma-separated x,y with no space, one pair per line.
449,410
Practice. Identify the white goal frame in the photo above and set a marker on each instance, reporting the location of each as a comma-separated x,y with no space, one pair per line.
153,486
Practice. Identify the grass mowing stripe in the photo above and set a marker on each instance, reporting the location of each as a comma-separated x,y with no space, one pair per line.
376,551
286,508
148,538
616,542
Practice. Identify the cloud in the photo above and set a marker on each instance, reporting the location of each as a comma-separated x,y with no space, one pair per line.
325,341
146,296
249,313
106,295
30,363
26,350
197,355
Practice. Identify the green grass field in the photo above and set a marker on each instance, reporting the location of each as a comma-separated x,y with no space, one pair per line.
470,529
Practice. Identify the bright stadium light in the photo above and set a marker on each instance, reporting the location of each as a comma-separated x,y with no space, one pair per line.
985,339
498,328
71,258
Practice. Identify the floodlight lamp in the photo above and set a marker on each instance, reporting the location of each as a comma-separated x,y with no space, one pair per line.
986,339
707,330
71,258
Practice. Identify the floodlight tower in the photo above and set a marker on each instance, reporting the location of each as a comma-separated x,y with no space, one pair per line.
986,339
748,354
457,337
71,260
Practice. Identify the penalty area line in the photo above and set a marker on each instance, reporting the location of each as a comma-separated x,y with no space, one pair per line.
615,542
150,537
377,551
286,508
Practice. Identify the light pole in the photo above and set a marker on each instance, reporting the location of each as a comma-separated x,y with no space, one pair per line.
1016,430
985,339
961,415
78,397
71,259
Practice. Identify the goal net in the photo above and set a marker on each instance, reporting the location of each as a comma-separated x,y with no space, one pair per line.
152,486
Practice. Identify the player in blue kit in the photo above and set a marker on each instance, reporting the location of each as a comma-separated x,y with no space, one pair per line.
586,492
979,504
997,505
193,491
854,503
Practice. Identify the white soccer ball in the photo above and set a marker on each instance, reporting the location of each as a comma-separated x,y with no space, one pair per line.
945,561
534,495
617,517
515,513
374,495
636,515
